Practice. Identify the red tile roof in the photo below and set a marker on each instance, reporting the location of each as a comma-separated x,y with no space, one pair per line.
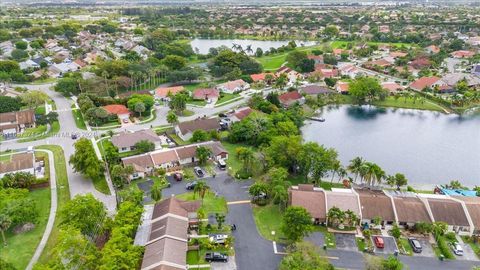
163,91
259,77
424,82
288,97
116,109
205,93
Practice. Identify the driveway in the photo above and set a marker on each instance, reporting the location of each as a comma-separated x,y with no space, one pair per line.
344,259
426,263
390,246
427,250
316,238
230,265
252,252
346,241
468,253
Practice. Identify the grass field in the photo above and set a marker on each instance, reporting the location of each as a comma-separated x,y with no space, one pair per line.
233,162
409,103
225,97
54,129
79,122
210,204
20,247
269,218
5,158
63,194
101,185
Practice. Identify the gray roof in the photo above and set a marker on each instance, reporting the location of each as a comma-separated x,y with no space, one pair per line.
17,162
128,139
206,124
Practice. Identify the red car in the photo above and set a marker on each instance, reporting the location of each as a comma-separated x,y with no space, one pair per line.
378,241
178,176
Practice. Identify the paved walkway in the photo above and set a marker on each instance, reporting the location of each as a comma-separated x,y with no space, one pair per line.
53,210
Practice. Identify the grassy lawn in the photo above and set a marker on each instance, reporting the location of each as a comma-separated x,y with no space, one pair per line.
211,203
272,62
40,110
195,102
234,164
408,103
360,244
403,244
269,218
343,44
177,139
5,158
446,252
21,247
63,194
325,184
193,86
101,185
224,97
79,122
54,129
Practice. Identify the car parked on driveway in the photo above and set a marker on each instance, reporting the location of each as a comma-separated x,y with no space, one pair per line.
222,165
177,176
218,238
216,257
378,242
191,185
416,246
457,249
199,172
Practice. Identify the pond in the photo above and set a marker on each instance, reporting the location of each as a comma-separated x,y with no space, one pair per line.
204,45
428,147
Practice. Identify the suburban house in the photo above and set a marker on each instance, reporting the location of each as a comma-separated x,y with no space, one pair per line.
344,199
476,70
22,162
473,207
240,114
165,234
424,82
125,141
432,49
392,87
118,109
289,98
463,54
172,159
342,87
292,75
310,198
318,59
348,70
314,89
451,80
260,77
233,86
206,94
409,209
450,211
164,92
13,123
185,130
375,203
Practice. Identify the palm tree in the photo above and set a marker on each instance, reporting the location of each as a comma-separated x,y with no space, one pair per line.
5,223
379,174
355,166
201,188
249,49
351,218
280,195
336,166
342,172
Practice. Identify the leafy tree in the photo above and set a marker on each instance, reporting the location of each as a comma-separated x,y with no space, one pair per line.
174,62
316,160
247,157
139,108
220,218
178,102
283,151
156,192
331,31
366,90
131,194
392,263
306,65
21,45
203,153
33,99
9,104
258,188
297,223
201,189
85,160
84,213
120,252
120,174
172,117
396,231
19,54
5,223
304,256
259,52
132,56
439,228
295,58
400,180
200,135
145,146
18,180
6,265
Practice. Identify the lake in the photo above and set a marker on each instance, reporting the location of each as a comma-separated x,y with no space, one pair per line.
428,147
204,45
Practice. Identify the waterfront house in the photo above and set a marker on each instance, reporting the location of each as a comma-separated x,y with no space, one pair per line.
376,204
290,98
424,82
310,198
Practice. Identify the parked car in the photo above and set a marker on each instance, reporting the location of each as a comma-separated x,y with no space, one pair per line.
218,238
216,257
177,176
261,196
416,246
222,115
199,172
222,165
74,136
378,242
457,249
191,185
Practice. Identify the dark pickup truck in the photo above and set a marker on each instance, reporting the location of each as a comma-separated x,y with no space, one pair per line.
216,257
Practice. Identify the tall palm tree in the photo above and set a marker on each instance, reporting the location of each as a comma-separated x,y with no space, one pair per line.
249,49
355,166
342,172
336,166
5,223
201,188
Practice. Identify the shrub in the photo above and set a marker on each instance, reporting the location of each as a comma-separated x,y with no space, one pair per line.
444,248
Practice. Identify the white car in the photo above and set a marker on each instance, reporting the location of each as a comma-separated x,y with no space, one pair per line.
457,249
218,238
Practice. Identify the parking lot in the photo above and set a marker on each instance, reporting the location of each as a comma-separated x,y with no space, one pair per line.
346,241
230,265
427,250
316,238
468,253
390,246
